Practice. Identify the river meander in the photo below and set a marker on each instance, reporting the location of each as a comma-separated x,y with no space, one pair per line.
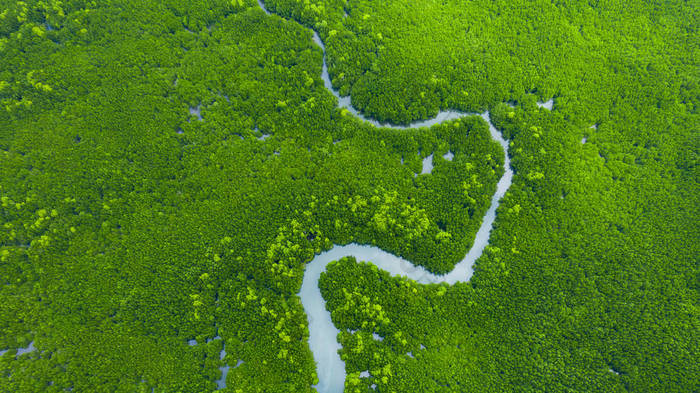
322,333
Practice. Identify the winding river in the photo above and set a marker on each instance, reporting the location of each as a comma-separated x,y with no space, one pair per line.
322,333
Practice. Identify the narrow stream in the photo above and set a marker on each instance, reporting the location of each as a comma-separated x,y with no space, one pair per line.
322,333
344,102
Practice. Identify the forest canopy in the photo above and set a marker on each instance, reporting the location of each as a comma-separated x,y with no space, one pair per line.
167,170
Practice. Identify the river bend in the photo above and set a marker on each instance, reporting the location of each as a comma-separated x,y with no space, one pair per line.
322,333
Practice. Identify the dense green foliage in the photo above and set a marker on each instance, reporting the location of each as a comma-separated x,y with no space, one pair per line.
403,60
589,284
130,226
